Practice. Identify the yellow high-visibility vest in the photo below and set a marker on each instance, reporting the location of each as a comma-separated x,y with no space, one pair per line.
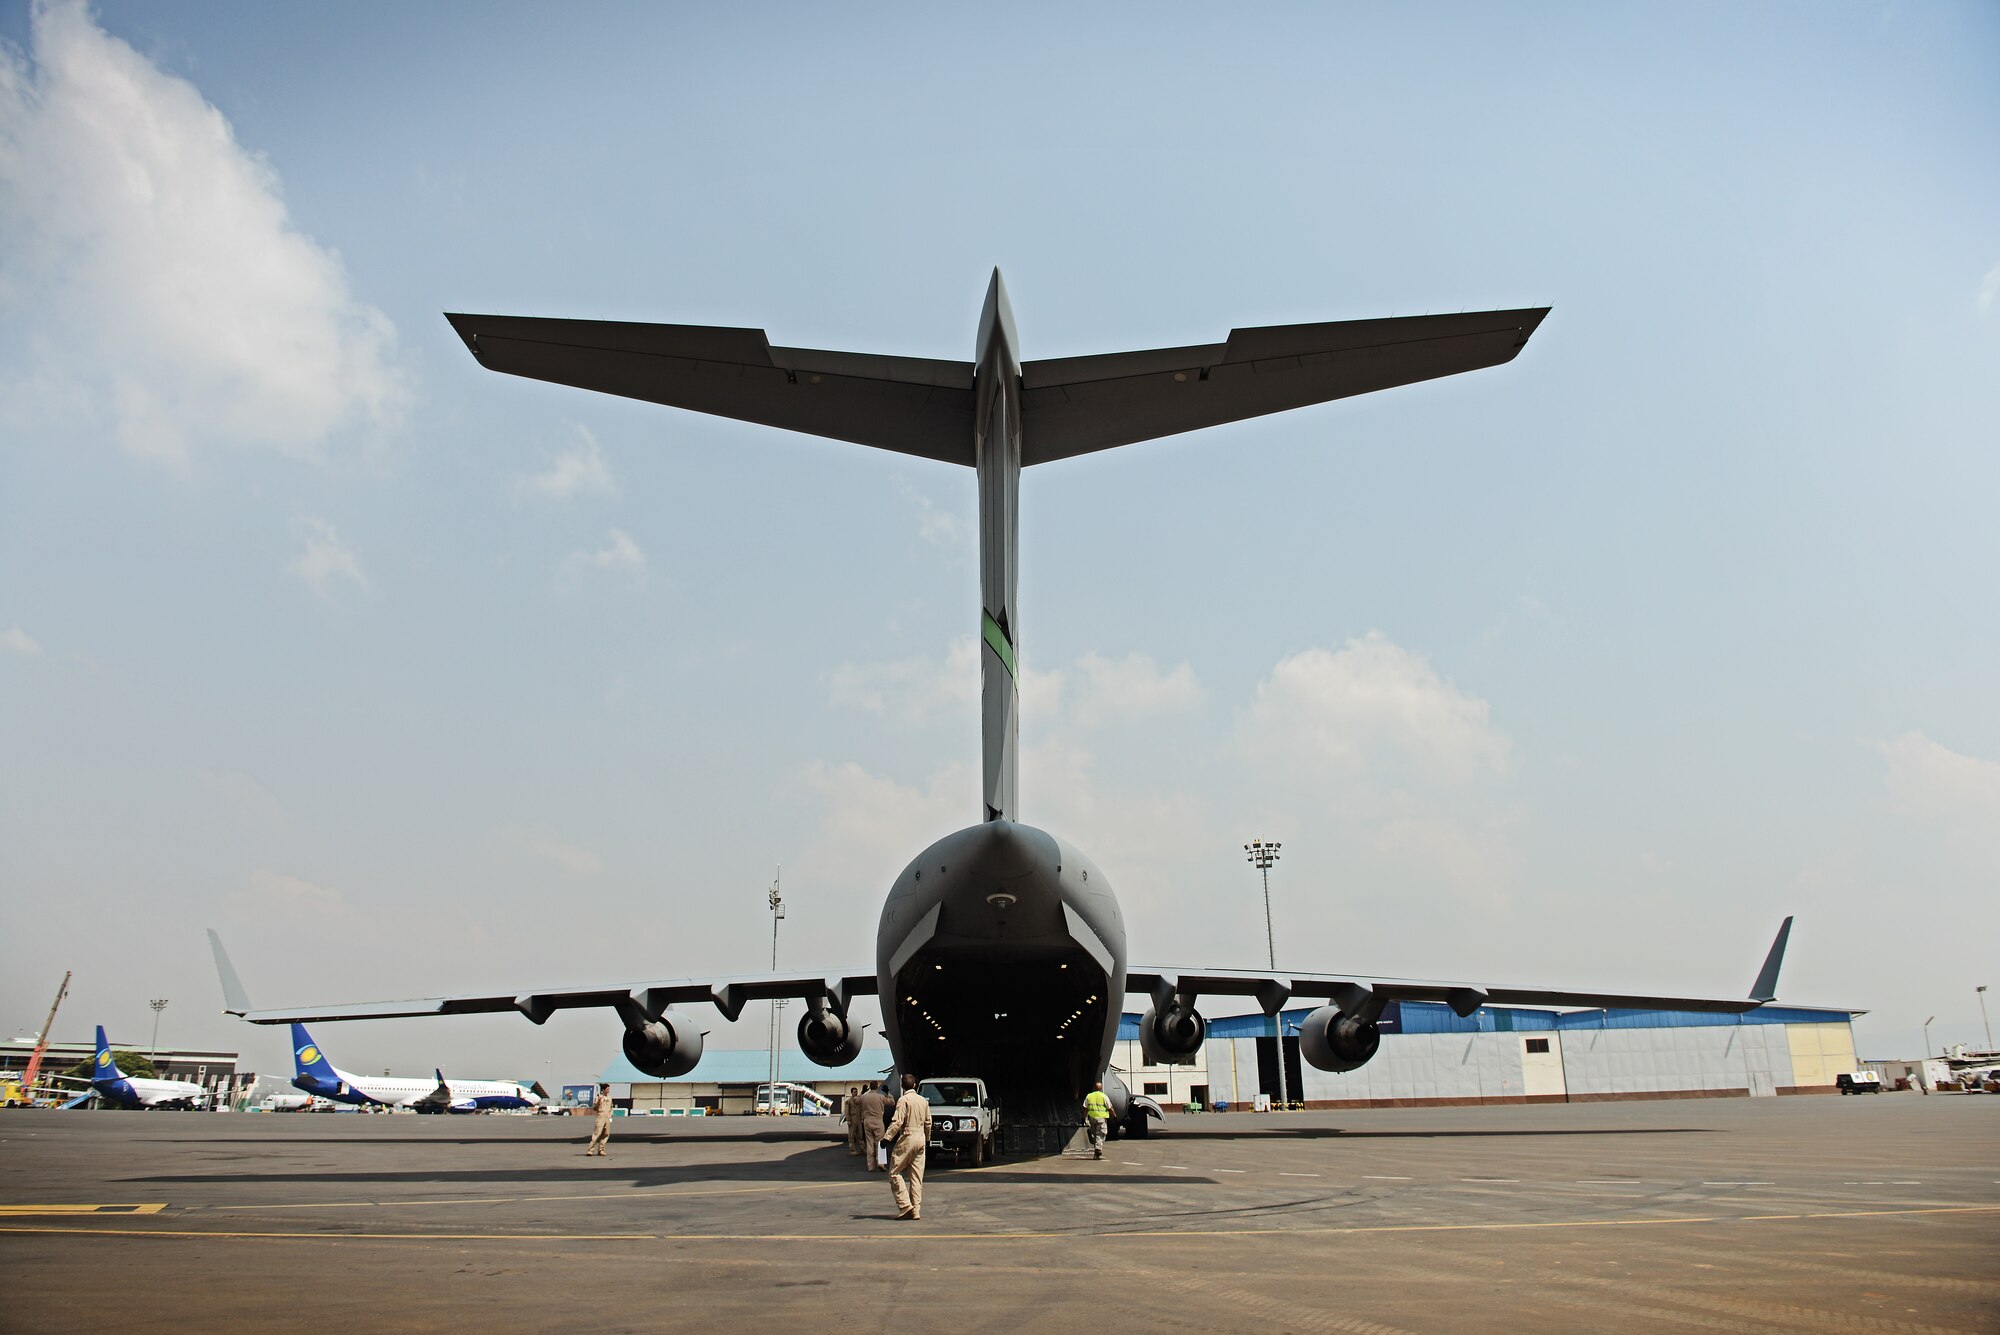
1097,1107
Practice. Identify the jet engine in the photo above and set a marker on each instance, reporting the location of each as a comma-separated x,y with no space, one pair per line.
829,1038
1171,1037
1335,1041
665,1047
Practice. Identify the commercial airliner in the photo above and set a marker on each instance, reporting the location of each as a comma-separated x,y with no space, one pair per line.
137,1091
1001,948
314,1074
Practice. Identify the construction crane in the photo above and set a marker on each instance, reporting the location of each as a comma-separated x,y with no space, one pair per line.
34,1070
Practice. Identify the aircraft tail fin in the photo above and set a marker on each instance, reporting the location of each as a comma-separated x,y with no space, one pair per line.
106,1067
308,1060
235,1001
1765,989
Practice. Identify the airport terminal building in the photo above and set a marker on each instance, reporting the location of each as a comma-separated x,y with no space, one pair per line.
1429,1057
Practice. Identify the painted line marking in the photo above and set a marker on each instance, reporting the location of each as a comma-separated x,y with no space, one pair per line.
1378,1177
16,1211
1228,1170
906,1236
1298,1175
1906,1184
670,1192
1739,1184
1489,1179
1610,1182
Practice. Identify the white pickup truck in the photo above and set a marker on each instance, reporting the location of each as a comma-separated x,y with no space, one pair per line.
962,1116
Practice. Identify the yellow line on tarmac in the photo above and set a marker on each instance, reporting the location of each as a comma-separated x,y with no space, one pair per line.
338,1237
913,1236
15,1211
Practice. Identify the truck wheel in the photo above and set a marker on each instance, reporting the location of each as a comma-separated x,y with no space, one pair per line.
978,1150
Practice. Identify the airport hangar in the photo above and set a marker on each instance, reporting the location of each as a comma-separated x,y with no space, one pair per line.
1429,1057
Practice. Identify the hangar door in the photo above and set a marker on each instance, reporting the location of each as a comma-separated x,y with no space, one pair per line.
1542,1065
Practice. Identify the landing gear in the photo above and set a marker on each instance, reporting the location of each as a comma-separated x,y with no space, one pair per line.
1138,1126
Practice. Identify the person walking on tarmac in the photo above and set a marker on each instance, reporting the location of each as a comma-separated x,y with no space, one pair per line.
872,1104
909,1138
601,1133
851,1109
1097,1117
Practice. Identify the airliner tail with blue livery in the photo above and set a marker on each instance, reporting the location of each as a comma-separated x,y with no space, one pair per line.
113,1086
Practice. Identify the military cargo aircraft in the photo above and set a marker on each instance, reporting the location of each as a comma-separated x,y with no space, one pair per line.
1001,949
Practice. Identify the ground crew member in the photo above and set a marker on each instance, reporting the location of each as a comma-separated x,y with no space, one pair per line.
872,1107
1097,1116
601,1133
909,1138
852,1111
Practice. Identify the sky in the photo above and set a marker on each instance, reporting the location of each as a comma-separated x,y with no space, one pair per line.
410,678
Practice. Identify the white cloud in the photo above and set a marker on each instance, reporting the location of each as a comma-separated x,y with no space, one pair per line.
1373,709
1132,687
915,690
1938,787
1989,290
578,469
940,528
324,560
290,899
580,861
150,275
870,826
19,643
618,552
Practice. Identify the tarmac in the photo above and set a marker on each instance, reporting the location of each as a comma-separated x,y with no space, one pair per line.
1830,1214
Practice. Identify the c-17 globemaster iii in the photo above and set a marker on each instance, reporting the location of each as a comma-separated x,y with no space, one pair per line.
1001,949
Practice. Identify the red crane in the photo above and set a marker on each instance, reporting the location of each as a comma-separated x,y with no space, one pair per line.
42,1043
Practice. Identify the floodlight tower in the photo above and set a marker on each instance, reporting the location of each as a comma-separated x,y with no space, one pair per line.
1927,1037
1261,853
160,1003
1981,990
777,902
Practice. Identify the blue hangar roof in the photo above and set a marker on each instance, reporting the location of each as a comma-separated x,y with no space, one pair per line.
753,1067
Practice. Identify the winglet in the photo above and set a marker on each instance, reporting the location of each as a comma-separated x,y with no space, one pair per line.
235,1001
1765,989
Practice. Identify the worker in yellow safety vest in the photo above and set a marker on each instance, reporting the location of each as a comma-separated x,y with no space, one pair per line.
1097,1117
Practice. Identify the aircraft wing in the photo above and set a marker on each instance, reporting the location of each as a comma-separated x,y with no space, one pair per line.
912,405
728,995
1358,994
1074,405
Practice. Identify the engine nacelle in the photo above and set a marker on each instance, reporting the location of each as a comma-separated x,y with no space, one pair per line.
1173,1036
1333,1041
665,1047
829,1038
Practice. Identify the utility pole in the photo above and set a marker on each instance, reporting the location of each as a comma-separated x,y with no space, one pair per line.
1261,853
777,901
158,1004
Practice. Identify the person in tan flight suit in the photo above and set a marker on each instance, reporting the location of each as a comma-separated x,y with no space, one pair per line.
852,1111
909,1136
601,1133
872,1106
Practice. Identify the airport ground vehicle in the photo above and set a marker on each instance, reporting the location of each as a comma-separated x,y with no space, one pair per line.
1858,1082
962,1116
786,1099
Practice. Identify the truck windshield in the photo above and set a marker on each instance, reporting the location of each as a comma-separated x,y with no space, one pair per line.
950,1095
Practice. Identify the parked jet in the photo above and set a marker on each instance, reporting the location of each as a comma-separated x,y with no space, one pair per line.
1001,948
314,1074
138,1091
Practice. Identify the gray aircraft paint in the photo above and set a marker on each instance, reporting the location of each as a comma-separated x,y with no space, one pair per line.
1001,948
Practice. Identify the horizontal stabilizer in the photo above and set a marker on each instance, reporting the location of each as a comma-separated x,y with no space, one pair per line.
912,405
1075,405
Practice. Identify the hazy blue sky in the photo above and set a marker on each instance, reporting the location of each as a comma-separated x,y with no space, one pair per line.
409,677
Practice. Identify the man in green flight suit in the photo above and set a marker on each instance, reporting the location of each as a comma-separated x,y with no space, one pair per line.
1097,1116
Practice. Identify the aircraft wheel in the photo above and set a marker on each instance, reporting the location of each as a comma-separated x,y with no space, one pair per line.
1139,1127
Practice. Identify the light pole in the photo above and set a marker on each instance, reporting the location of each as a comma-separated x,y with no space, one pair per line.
1261,853
777,1005
160,1003
1927,1037
1981,990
